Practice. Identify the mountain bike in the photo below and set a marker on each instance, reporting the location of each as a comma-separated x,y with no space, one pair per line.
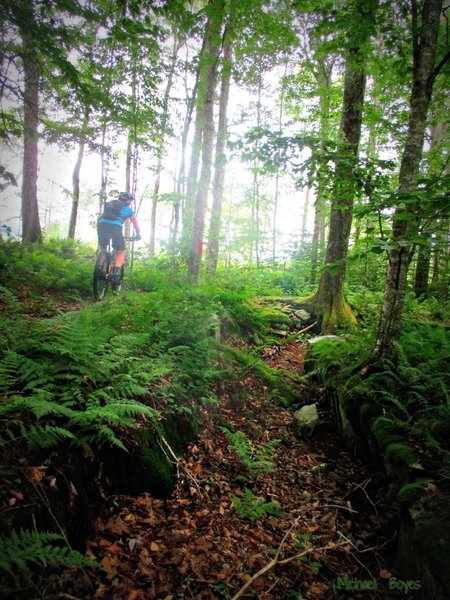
103,279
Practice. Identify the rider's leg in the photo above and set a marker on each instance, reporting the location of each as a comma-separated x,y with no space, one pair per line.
119,247
120,259
103,238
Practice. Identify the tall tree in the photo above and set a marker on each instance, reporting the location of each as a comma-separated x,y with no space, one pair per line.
76,176
205,121
176,45
329,299
31,228
425,29
212,255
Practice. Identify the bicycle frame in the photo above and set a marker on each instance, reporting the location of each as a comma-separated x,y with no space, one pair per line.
103,278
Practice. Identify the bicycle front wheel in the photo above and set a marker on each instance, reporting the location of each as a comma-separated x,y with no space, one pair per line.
101,275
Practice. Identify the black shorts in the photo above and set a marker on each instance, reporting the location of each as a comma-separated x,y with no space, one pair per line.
108,231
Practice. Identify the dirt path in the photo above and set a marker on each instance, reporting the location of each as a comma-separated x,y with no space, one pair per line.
194,545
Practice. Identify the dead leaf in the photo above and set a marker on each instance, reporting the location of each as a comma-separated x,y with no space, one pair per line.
35,474
154,547
133,595
385,574
72,489
114,548
108,563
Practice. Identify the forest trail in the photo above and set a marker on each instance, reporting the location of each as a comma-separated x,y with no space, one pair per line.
195,546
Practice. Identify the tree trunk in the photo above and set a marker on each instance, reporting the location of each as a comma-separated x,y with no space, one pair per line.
205,116
76,177
399,257
160,148
323,78
181,183
212,255
31,228
254,239
305,216
104,163
196,149
424,253
318,235
277,175
330,297
422,268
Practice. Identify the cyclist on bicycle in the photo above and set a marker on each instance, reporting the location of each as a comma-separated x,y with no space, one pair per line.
110,225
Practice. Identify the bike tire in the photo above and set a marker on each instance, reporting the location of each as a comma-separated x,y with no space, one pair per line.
101,275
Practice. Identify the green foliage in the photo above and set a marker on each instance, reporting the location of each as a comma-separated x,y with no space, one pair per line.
411,493
22,551
400,454
329,357
252,507
57,266
256,460
274,379
388,431
83,377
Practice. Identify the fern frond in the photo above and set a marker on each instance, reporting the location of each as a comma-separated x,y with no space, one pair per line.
47,436
100,436
115,412
17,370
251,507
38,405
22,550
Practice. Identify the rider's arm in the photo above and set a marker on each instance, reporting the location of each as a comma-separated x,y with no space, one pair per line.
135,225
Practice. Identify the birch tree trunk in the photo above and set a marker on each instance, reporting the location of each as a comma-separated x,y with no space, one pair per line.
425,44
31,228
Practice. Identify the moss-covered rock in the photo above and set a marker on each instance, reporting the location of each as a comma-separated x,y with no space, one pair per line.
281,391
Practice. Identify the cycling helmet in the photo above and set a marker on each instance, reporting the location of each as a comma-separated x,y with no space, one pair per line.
125,197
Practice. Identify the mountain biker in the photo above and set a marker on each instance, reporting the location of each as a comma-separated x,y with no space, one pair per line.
110,225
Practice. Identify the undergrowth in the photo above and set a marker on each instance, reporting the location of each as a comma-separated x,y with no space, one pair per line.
103,375
409,400
256,460
26,557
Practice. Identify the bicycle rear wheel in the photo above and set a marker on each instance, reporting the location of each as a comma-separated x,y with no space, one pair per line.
101,275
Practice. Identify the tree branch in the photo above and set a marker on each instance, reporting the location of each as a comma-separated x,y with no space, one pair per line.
275,561
441,64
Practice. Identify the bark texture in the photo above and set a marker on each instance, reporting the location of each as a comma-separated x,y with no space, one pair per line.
31,228
205,117
425,44
329,300
76,178
212,256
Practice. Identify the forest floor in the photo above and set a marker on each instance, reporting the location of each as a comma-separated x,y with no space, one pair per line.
326,537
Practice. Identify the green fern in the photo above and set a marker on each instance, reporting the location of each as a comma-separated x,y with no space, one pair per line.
27,548
256,460
38,404
253,508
